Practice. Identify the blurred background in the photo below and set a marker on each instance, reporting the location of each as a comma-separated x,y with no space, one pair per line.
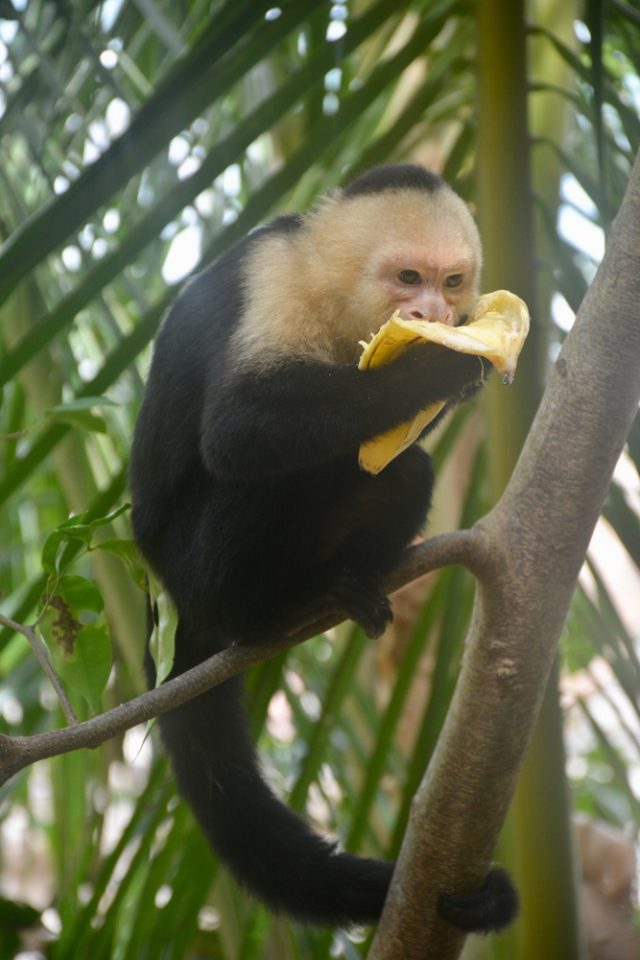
138,140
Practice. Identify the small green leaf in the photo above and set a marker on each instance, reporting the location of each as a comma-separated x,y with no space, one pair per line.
80,652
79,418
82,403
103,521
87,669
71,529
165,620
74,529
77,518
81,594
128,552
50,551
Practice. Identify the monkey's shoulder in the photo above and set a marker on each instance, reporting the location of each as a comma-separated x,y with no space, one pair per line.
209,305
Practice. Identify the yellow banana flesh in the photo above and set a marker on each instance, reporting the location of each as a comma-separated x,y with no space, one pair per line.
496,329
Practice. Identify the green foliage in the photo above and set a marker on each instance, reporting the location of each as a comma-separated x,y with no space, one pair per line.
81,651
78,413
165,622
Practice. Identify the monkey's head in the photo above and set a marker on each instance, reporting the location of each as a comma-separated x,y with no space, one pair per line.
399,238
396,238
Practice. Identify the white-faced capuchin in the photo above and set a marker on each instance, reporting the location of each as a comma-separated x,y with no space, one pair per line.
249,504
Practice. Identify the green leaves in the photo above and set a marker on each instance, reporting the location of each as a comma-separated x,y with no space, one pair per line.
77,637
76,533
78,413
128,552
165,623
71,620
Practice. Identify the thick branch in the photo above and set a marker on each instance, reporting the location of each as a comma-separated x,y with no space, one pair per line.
19,752
538,536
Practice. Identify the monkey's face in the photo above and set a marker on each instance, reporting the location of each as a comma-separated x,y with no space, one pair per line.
416,253
429,284
319,292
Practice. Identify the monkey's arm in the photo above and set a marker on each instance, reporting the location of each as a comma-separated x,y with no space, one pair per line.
303,413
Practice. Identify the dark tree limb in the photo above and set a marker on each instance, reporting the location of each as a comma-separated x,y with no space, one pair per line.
533,543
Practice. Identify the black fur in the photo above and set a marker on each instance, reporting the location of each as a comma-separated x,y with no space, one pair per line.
397,176
494,906
249,503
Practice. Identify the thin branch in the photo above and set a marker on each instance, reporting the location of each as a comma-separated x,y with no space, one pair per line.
18,752
465,547
45,663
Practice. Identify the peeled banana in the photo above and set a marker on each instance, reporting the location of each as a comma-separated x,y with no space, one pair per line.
496,329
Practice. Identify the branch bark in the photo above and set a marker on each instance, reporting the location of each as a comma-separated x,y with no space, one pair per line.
19,752
533,543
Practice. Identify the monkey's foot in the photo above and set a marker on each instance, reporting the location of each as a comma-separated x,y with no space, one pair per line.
363,600
494,906
358,596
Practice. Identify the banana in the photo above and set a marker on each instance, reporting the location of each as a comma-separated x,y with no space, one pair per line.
496,329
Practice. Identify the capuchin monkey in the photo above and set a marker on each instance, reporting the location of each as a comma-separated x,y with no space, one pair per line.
250,505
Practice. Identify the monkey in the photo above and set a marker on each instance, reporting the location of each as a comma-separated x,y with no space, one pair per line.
250,506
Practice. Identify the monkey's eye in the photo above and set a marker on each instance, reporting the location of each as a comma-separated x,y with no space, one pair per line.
409,276
454,280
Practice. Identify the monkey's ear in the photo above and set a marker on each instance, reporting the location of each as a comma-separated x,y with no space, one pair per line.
496,329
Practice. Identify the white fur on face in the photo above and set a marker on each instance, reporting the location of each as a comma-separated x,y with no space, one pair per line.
316,293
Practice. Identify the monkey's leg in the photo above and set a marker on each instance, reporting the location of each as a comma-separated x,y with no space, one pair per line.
331,537
367,530
378,517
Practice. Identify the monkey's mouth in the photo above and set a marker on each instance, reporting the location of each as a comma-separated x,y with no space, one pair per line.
462,320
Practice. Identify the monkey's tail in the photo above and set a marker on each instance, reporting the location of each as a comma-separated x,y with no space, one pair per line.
271,850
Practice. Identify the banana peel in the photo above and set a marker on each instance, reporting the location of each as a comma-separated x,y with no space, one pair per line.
496,329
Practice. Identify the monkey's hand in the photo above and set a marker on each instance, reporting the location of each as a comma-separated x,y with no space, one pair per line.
452,358
364,602
452,378
356,595
477,379
466,393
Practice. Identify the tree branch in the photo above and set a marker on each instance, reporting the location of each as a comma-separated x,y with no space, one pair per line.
537,537
18,752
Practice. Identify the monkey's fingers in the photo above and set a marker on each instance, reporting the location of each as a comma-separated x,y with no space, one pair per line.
364,602
359,597
494,334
